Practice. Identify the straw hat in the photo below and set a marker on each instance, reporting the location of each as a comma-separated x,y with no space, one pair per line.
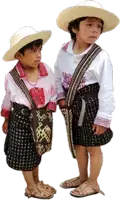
87,9
22,37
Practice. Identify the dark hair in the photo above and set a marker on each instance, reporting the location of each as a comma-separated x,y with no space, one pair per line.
35,43
75,25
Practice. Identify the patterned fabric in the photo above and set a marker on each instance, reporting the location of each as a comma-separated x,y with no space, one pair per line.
38,96
41,119
20,150
84,135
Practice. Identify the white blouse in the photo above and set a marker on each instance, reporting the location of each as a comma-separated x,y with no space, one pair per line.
43,91
100,71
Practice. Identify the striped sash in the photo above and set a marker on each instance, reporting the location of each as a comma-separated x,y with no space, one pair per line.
74,84
22,86
80,71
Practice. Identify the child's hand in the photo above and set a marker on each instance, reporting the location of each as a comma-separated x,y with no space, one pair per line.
5,126
62,103
98,129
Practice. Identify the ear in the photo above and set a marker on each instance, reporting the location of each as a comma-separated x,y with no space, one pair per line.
18,55
74,30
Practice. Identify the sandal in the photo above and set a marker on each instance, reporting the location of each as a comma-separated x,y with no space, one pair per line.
47,187
71,183
85,189
37,194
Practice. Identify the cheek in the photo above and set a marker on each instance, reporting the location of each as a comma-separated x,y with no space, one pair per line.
84,33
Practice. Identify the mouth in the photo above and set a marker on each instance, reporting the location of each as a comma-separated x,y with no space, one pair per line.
93,37
37,61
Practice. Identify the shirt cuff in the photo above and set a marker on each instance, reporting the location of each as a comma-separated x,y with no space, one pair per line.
5,113
60,95
51,106
102,122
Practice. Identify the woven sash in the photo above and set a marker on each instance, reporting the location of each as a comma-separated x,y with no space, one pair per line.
22,86
74,84
80,71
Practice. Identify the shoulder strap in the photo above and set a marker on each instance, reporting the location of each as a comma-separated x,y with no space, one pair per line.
79,72
20,83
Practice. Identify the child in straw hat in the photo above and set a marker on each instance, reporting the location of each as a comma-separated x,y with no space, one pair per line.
21,154
85,90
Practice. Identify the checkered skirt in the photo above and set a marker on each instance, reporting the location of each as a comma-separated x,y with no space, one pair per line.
84,135
20,149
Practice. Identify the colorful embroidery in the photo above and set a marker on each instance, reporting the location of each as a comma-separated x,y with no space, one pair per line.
42,69
51,106
38,96
66,80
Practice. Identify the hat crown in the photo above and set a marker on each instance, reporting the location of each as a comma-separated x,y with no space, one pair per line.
90,3
21,34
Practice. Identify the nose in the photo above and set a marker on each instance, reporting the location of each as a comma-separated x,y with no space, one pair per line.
38,53
95,29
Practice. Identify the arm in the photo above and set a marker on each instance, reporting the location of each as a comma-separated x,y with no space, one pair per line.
52,102
105,95
59,88
6,104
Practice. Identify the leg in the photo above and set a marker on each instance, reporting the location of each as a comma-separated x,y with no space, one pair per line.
91,186
36,175
32,189
82,159
96,160
40,184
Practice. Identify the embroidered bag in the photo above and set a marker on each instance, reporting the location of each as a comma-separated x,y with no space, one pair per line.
41,119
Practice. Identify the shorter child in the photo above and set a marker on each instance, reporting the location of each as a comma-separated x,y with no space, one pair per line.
21,154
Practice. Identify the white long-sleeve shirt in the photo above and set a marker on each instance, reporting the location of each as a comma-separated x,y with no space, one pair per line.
100,71
43,93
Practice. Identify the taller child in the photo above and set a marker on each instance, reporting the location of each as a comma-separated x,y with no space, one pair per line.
84,83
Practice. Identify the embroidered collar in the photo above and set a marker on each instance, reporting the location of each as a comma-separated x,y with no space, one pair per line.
42,70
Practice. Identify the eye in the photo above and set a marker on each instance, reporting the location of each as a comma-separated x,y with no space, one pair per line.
89,24
99,26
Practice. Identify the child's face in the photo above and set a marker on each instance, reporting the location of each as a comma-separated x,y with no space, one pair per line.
31,57
89,30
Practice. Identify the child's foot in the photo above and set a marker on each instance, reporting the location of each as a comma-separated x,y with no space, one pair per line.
72,183
86,189
40,194
48,188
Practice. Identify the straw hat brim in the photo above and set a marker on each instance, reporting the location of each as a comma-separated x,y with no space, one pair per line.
72,13
44,35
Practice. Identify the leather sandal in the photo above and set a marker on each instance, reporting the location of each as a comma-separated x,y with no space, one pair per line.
37,194
71,183
47,187
85,189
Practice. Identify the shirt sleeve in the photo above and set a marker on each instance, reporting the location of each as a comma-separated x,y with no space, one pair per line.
58,82
6,105
106,99
52,103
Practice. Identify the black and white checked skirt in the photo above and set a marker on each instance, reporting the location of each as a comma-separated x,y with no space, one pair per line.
84,135
20,149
